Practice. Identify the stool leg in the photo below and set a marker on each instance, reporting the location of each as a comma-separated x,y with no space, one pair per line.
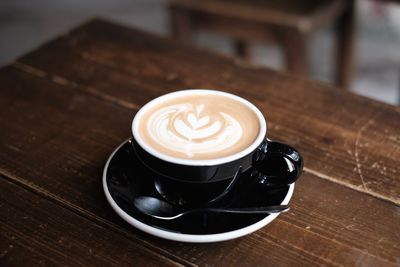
295,50
180,23
344,47
242,49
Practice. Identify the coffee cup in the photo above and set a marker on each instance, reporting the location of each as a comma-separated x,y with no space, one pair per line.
198,142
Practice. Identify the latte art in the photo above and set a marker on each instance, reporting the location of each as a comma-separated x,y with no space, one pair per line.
190,129
203,126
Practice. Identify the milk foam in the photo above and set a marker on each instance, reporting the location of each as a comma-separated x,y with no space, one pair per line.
183,128
199,126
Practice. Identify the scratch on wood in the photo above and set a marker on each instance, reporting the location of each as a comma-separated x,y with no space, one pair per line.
364,252
356,156
12,147
29,69
396,201
298,249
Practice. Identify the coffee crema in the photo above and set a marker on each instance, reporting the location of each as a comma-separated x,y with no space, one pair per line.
199,126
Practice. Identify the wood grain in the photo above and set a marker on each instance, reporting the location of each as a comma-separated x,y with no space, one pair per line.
51,235
79,129
345,138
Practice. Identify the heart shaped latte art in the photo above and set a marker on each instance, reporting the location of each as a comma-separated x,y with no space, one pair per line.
193,129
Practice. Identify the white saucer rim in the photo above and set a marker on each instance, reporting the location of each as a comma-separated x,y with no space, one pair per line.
189,238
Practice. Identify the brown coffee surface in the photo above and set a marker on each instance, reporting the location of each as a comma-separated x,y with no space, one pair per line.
199,127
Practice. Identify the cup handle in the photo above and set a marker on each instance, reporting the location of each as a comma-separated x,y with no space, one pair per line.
277,164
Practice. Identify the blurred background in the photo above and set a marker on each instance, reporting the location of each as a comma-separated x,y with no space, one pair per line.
25,25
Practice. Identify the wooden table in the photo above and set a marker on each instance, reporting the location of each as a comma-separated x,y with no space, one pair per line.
65,106
286,23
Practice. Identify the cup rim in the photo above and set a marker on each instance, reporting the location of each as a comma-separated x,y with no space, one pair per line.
199,162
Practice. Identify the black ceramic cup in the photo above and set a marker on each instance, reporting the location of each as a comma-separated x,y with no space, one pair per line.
200,182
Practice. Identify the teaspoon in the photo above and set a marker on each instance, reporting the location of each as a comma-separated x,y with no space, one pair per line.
161,209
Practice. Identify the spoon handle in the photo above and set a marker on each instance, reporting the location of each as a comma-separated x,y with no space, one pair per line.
255,210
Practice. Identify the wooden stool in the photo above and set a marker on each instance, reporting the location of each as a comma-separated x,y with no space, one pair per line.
285,22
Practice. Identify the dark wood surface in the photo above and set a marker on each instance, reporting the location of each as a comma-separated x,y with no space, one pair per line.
65,106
